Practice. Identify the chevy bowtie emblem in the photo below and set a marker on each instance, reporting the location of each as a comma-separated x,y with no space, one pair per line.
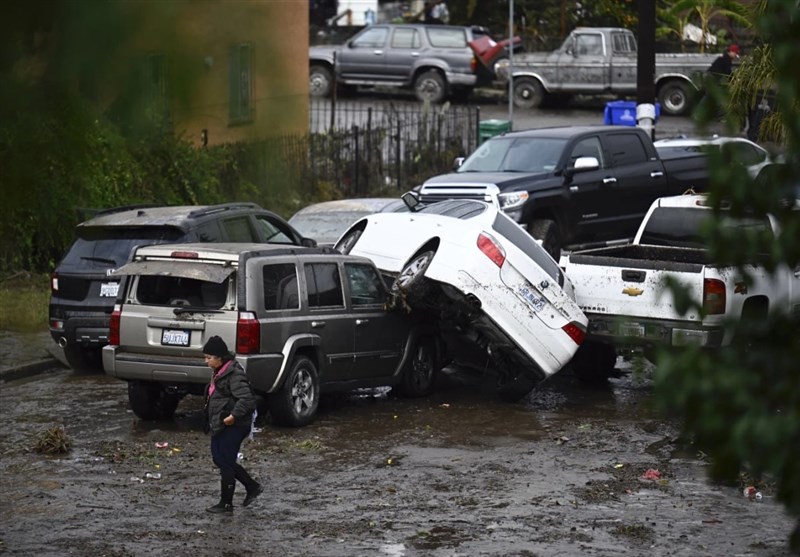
632,291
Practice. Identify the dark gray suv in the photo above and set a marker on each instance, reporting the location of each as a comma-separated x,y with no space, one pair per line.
83,288
303,321
436,61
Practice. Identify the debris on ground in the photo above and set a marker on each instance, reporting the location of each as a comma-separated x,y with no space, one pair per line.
53,441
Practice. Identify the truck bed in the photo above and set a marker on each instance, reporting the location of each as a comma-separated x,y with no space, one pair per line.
644,257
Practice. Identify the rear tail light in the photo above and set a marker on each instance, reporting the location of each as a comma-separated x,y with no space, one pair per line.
113,326
576,332
473,65
491,248
713,297
248,334
54,283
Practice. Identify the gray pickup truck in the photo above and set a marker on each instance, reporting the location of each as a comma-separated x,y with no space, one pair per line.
602,60
436,61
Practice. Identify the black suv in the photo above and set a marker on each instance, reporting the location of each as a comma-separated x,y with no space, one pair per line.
302,321
83,289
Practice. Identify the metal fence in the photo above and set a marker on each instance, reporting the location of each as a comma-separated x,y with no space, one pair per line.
362,148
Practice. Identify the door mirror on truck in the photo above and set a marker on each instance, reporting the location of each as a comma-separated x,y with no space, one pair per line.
457,162
582,164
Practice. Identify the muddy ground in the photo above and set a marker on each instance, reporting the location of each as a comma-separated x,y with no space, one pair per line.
457,474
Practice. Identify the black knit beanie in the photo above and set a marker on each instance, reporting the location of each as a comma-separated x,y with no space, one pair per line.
215,346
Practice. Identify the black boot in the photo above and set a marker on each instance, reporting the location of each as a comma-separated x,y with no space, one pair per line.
254,489
225,504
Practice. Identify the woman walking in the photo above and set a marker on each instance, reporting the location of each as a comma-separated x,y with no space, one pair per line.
229,410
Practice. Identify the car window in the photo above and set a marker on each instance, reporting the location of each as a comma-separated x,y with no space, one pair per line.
588,147
366,285
628,149
209,232
104,248
373,37
686,227
446,38
238,230
623,43
528,245
589,44
273,232
744,153
406,38
160,290
280,287
324,285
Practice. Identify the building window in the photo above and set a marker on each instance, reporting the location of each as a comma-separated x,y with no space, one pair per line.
242,109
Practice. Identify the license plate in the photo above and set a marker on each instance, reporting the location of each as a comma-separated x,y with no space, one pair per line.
171,337
631,330
536,302
109,289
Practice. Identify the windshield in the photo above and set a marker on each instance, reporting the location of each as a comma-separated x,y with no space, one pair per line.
325,227
515,154
104,248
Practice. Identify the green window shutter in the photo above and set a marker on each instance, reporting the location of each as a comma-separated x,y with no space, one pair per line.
240,83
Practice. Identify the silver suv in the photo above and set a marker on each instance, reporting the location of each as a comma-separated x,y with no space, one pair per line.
303,321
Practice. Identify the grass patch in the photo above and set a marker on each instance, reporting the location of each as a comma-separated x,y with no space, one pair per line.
24,298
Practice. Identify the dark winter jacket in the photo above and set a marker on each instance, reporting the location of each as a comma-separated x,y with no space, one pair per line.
232,396
722,66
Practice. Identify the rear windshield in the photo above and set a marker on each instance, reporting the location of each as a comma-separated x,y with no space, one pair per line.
529,246
109,247
181,292
686,227
456,208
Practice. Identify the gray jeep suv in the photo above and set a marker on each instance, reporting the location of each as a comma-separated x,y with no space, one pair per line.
83,288
303,321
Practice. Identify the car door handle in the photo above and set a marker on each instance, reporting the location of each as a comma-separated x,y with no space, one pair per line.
317,324
609,180
377,52
656,174
415,54
362,321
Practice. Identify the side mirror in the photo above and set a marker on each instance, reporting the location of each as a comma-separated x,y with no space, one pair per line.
411,199
582,164
457,162
308,242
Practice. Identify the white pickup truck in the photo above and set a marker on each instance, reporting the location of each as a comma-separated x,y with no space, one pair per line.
623,289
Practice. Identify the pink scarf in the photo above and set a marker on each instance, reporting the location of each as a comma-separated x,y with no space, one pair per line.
220,371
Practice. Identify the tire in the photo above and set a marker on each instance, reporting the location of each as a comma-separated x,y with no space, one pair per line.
82,358
528,92
295,405
411,283
594,362
511,388
150,402
346,244
419,376
320,81
547,231
430,86
675,97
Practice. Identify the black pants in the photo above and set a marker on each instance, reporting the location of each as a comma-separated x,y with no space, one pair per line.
225,447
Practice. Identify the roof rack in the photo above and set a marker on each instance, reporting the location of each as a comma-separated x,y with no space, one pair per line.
211,209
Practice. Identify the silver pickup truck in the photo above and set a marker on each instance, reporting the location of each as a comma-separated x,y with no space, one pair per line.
602,60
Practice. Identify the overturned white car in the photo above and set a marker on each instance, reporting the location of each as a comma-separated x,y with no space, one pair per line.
492,287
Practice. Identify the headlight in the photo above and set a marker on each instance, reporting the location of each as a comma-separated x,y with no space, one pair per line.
512,199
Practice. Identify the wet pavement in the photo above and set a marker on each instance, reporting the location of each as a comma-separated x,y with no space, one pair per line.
564,472
24,354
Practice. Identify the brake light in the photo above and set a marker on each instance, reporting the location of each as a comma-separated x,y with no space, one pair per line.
473,65
576,332
184,255
713,296
113,326
54,283
248,333
491,249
